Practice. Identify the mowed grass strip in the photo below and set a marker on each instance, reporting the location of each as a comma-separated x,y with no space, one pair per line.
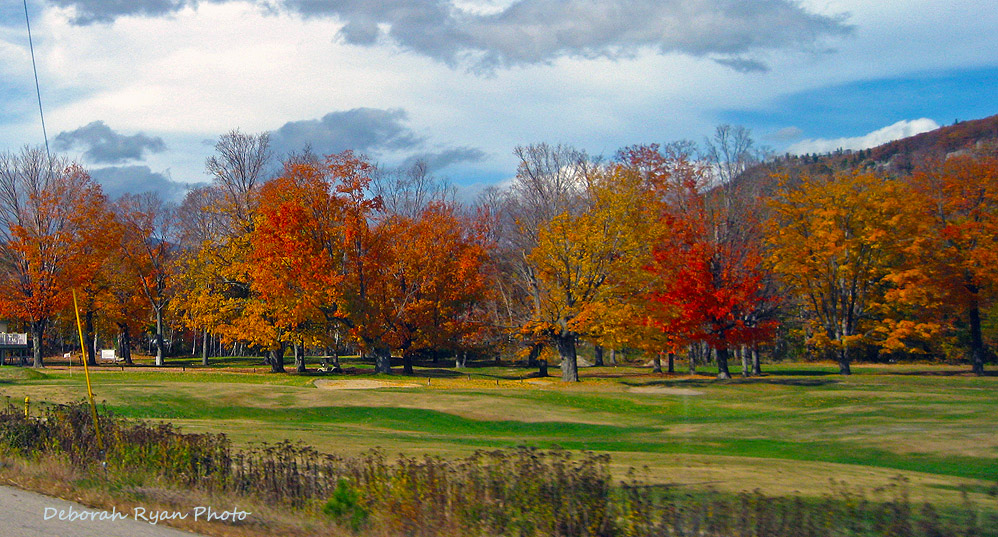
388,418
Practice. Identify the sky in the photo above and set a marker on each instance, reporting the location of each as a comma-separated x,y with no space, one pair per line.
139,91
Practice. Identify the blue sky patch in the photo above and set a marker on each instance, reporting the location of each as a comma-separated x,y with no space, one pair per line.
861,107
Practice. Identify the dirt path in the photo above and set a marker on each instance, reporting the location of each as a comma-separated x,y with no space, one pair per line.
27,514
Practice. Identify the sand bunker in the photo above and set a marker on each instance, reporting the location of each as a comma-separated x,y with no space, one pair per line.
360,384
662,390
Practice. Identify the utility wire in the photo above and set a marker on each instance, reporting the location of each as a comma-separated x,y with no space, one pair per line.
38,90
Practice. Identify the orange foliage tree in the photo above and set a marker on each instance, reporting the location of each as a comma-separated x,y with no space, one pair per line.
435,279
298,247
839,244
214,287
53,220
97,294
959,253
325,254
149,251
123,306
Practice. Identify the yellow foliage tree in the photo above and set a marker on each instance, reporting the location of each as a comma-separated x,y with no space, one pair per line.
585,260
839,244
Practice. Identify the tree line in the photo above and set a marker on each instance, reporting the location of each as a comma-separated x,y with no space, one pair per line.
665,249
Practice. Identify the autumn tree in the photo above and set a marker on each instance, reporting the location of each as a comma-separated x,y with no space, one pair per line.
573,233
216,288
706,260
298,247
435,279
959,200
98,292
123,306
200,229
52,220
838,244
365,256
546,184
149,248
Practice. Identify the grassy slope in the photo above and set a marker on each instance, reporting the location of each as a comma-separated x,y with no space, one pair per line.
790,430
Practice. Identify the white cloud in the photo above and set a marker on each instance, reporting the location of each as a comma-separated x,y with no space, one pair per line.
540,31
214,65
489,35
901,38
901,129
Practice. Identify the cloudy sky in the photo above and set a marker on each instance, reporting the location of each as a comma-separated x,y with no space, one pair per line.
140,90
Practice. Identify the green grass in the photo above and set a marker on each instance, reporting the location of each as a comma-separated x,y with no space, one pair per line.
794,428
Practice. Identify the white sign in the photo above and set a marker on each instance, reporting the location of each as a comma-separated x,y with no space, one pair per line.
13,339
107,355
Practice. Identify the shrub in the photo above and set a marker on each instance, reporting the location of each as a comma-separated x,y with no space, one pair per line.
345,506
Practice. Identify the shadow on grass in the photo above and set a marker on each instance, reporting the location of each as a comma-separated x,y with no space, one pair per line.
708,382
951,373
439,373
803,373
789,382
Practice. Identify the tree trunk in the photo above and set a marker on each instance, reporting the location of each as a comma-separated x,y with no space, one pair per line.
125,343
598,355
205,344
672,362
159,339
407,363
976,341
569,362
613,357
88,338
383,360
299,358
535,351
656,363
37,331
693,359
756,367
276,358
743,351
722,363
460,360
168,342
844,368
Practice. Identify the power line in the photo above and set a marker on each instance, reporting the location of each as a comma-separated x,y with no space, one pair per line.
38,90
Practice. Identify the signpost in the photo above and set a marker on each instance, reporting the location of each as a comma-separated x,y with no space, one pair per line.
86,371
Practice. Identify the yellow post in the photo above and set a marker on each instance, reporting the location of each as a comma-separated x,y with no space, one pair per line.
27,401
86,372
